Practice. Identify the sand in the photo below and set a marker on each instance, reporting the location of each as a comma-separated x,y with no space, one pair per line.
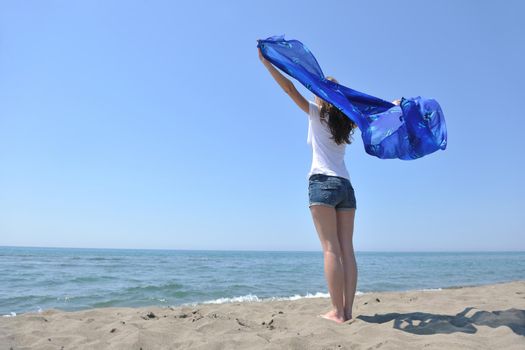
480,317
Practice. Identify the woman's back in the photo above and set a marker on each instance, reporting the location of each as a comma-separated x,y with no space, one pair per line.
328,156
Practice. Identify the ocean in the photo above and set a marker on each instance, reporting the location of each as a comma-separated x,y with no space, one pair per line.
35,279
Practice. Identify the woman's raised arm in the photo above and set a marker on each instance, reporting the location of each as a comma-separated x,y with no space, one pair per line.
285,84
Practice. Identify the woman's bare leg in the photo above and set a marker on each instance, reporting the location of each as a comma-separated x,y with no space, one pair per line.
345,232
326,225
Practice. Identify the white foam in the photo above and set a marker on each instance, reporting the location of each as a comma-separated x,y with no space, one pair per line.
430,290
13,314
255,298
249,297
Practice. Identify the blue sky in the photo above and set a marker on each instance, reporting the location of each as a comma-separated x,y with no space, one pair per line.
131,124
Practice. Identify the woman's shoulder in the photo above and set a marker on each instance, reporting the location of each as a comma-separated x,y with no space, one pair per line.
314,108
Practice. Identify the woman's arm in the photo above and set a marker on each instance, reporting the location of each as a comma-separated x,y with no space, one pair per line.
281,79
285,84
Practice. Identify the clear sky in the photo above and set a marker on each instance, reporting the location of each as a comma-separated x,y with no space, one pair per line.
153,124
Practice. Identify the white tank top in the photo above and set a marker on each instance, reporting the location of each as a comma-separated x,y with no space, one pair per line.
327,156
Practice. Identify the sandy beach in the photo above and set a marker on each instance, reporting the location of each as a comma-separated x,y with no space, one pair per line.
481,317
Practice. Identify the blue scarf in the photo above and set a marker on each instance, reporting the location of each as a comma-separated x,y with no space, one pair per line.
411,130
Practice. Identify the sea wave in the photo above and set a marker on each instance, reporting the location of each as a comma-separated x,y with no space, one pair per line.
255,298
430,290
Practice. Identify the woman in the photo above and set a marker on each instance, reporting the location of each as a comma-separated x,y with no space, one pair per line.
332,200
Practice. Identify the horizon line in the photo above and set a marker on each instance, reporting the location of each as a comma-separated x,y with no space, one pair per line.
264,250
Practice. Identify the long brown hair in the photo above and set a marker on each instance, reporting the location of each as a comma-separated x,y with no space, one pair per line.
341,127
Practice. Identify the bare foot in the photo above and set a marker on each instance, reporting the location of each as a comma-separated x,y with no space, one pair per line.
334,316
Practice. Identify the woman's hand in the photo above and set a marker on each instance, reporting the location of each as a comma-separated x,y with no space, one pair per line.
261,57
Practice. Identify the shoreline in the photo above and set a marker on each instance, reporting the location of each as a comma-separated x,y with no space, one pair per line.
264,299
320,295
483,316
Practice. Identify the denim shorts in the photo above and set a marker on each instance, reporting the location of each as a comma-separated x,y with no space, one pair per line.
331,191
